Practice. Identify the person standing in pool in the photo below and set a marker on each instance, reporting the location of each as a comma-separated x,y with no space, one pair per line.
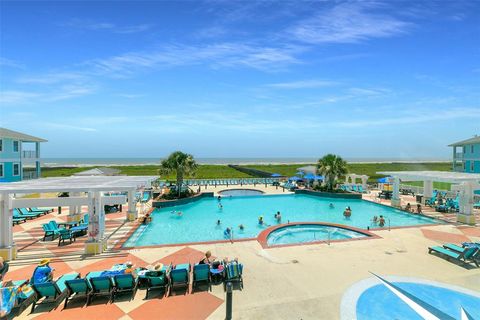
279,217
347,213
260,220
218,222
241,227
331,206
220,206
227,233
381,221
219,198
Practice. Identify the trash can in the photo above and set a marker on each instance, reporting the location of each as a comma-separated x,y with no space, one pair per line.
419,198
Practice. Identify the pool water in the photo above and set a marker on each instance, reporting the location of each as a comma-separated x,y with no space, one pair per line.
305,233
198,220
380,303
240,192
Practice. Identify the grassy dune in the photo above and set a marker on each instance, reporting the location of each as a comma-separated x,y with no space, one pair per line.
222,171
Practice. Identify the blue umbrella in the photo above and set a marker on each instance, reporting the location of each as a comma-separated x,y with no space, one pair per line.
276,175
300,173
294,178
385,180
309,176
319,178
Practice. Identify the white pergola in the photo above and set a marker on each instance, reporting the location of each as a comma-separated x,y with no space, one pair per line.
464,183
94,192
351,179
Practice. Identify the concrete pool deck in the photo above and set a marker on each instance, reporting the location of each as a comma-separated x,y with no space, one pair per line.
298,282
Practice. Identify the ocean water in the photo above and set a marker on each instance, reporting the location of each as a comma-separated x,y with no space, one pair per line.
85,162
198,220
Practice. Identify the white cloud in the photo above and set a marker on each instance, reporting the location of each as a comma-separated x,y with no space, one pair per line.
106,26
68,126
215,55
12,97
52,77
4,62
348,23
303,84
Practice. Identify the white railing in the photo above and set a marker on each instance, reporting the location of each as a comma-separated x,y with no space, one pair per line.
458,156
29,154
29,175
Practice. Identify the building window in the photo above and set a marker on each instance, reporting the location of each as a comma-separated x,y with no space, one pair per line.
1,169
464,149
16,169
1,145
472,166
471,148
16,146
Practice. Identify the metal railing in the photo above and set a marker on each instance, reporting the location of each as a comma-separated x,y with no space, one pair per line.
29,175
29,154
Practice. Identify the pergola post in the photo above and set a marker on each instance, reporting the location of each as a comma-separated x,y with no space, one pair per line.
466,213
8,249
96,224
74,212
132,213
396,201
364,182
427,190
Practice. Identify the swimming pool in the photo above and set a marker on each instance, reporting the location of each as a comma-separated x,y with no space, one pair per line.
305,233
240,192
198,220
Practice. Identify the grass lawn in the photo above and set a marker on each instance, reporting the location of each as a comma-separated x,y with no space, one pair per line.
223,171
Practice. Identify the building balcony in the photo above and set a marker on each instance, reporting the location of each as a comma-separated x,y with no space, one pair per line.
29,154
29,175
458,156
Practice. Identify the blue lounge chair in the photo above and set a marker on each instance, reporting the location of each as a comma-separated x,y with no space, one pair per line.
124,283
201,273
17,214
35,210
64,234
52,291
233,273
467,255
101,285
157,282
77,287
49,231
17,220
25,212
179,277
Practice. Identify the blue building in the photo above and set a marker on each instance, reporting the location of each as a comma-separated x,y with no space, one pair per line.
19,156
466,155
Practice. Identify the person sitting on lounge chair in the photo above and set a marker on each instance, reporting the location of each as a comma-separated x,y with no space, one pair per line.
3,268
155,271
43,272
206,260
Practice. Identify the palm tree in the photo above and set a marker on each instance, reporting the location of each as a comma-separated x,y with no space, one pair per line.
181,164
331,167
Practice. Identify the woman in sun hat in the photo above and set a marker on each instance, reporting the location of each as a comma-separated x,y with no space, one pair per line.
43,272
155,271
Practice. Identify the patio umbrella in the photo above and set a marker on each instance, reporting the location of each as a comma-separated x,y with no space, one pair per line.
319,178
385,180
276,175
309,176
294,178
300,173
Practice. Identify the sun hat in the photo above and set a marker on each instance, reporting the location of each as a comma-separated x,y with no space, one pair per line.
158,266
44,262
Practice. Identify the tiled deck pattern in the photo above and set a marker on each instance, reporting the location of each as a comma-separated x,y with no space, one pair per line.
313,293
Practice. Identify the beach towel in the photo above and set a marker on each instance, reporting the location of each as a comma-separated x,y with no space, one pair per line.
8,296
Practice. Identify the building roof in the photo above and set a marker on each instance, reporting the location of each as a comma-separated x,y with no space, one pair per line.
99,172
308,169
7,133
78,184
474,140
438,176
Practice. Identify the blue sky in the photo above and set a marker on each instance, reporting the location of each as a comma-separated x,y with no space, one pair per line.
241,78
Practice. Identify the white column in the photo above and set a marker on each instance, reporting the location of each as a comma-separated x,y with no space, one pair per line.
96,226
466,213
427,190
364,182
132,213
396,202
8,249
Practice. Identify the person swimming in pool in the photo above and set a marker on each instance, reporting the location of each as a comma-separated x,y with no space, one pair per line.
347,213
219,222
279,217
241,227
331,206
179,213
220,206
219,198
227,233
375,220
260,220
